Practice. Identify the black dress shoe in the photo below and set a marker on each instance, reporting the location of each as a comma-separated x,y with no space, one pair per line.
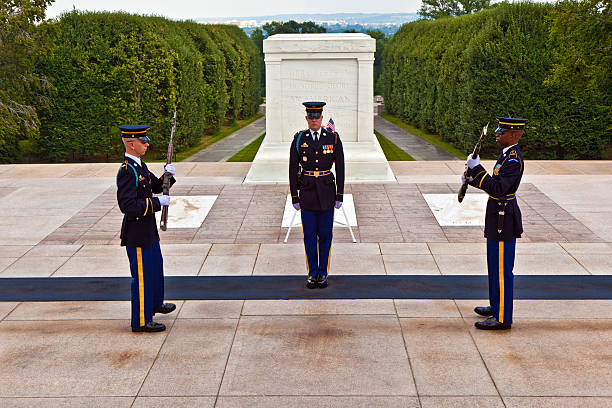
483,310
492,324
165,308
150,327
311,282
322,281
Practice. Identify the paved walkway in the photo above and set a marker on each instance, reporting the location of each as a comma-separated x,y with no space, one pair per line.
230,145
416,147
225,148
62,221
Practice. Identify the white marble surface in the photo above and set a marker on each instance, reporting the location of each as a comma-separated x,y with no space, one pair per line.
339,220
333,68
188,211
450,213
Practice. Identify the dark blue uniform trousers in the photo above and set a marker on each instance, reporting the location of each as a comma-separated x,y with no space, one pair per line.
317,227
500,262
147,268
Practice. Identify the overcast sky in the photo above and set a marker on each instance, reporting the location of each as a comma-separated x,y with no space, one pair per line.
187,9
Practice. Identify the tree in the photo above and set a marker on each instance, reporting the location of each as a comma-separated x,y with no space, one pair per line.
257,37
19,85
381,42
582,31
581,40
292,27
434,9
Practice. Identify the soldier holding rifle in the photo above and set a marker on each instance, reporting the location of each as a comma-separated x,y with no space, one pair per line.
135,188
503,223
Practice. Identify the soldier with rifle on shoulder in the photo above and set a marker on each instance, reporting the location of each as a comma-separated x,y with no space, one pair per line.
135,188
503,223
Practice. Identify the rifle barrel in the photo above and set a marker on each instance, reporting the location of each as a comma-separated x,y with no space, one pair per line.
163,222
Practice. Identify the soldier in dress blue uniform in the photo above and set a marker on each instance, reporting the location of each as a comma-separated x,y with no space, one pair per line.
314,191
503,223
135,188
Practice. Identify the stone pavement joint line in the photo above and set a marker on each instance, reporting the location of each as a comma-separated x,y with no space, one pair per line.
385,213
302,353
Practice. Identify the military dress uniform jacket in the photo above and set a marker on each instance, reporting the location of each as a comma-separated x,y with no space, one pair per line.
135,188
316,193
501,187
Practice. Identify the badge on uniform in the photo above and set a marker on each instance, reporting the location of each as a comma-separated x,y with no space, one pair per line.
140,178
496,169
304,145
305,158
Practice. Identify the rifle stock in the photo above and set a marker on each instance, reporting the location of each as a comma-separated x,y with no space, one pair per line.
163,222
475,154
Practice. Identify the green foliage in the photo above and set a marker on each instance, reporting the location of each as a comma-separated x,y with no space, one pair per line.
434,9
381,43
20,86
257,37
292,27
451,76
117,68
581,40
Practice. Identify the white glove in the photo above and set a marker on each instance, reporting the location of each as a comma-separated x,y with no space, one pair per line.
463,178
164,200
169,168
471,163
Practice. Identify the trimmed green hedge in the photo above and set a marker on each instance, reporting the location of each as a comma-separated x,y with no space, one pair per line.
116,68
452,75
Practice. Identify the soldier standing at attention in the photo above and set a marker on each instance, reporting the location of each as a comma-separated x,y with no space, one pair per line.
315,150
503,222
135,188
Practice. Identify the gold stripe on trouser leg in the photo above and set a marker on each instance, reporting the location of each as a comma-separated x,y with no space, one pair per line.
304,239
140,286
328,259
330,244
501,281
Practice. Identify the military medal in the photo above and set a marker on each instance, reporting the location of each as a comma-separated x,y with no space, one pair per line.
496,169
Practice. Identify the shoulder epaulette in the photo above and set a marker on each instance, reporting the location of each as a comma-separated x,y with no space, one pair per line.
125,165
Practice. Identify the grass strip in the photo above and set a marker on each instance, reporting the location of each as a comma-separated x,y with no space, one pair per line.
248,153
433,139
208,140
392,152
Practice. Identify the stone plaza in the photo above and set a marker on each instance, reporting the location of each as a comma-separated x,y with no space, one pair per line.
62,221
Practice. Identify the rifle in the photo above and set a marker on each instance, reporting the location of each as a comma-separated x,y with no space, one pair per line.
476,152
163,223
